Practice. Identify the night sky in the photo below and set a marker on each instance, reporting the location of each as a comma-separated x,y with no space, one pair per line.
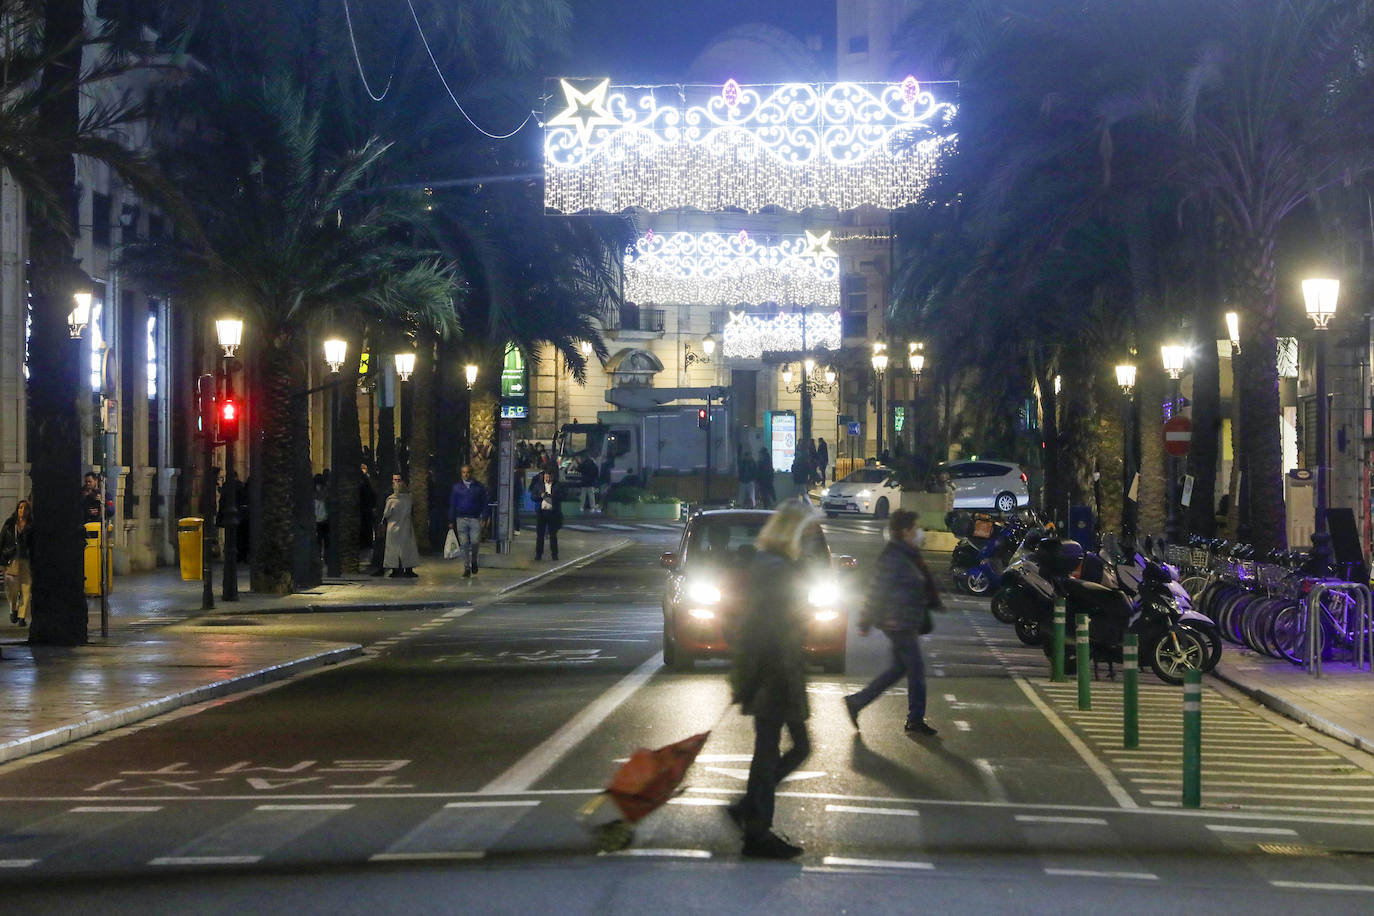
650,42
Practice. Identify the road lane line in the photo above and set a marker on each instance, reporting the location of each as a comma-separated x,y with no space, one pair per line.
1245,828
534,765
338,807
1088,873
859,809
427,856
205,860
1053,819
662,853
1099,769
113,809
696,801
18,863
513,803
1323,886
875,863
991,783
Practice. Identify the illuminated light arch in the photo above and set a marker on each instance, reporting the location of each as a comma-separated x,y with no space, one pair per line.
749,336
793,145
712,268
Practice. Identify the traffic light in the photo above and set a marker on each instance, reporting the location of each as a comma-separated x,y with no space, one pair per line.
228,420
702,418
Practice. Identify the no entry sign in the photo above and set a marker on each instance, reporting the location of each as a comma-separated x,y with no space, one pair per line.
1178,436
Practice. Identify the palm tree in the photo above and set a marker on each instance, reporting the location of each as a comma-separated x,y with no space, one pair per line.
288,242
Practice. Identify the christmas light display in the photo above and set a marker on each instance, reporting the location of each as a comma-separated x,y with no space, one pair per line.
792,145
724,270
749,336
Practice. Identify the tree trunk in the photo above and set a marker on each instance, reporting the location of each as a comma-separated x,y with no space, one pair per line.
1202,455
1052,491
421,445
1077,433
482,431
1152,389
1108,432
284,443
58,599
1258,389
348,449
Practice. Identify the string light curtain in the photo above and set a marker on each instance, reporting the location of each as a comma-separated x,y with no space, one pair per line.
713,268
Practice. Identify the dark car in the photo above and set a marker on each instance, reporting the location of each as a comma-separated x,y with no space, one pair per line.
707,575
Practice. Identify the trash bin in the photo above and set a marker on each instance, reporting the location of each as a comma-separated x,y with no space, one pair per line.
92,561
190,538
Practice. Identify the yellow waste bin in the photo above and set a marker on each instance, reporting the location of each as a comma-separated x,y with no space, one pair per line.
190,534
92,560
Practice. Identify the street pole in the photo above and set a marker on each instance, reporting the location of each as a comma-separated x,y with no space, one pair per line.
1321,534
229,587
1171,525
706,485
207,511
1127,466
878,391
333,561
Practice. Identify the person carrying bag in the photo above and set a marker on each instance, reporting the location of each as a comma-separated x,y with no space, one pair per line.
899,601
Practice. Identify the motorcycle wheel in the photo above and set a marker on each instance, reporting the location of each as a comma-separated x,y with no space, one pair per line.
1001,606
978,581
1176,651
1211,643
1028,631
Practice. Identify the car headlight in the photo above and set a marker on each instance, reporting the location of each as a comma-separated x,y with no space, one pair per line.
700,613
703,593
864,494
825,491
824,595
826,616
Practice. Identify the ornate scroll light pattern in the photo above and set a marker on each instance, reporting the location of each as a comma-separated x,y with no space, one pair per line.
792,145
749,336
716,269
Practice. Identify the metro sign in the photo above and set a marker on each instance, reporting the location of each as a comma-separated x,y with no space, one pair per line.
1178,436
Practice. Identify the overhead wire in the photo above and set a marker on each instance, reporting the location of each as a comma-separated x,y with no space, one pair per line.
352,39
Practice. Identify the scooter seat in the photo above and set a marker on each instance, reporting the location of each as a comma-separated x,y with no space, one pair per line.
1096,600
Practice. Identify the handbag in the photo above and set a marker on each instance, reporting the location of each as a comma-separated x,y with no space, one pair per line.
450,545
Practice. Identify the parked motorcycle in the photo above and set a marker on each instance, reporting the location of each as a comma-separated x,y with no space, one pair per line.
978,562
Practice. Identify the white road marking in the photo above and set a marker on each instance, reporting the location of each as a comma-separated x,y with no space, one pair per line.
699,801
1246,828
1086,873
1100,770
991,783
205,860
532,767
513,803
875,863
18,863
620,527
339,807
1323,886
859,809
663,853
962,726
113,809
949,698
427,856
662,527
1052,819
743,775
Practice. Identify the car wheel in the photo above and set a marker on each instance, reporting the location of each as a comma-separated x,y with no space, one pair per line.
1006,502
880,510
674,657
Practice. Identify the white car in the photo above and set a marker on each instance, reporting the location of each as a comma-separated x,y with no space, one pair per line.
865,491
987,484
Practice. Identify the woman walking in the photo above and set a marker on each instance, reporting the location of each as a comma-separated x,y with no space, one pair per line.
402,556
769,674
899,603
16,555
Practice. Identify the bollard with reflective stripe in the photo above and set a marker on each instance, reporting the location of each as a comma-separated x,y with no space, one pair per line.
1130,692
1192,739
1057,661
1083,656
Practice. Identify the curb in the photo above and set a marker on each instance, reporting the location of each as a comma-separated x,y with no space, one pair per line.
103,722
1296,713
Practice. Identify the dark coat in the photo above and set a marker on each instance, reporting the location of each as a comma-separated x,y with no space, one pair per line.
552,517
15,543
901,592
769,674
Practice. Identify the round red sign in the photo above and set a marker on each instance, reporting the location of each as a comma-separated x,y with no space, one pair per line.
1178,436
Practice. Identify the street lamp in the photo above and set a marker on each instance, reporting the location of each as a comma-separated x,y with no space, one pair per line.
1125,379
1320,296
229,332
586,347
405,365
708,345
1233,331
879,361
470,372
335,351
787,374
1173,357
79,316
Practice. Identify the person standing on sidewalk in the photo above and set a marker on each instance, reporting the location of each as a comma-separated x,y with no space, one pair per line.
767,497
899,601
16,555
402,554
548,507
768,679
467,506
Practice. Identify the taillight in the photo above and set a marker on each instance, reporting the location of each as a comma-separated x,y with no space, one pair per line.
1024,479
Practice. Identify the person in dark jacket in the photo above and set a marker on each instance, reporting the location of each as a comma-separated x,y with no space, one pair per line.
467,506
768,679
548,507
767,496
16,556
822,458
899,601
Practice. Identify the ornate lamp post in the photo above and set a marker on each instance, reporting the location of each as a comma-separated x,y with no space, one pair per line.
1125,379
335,351
1173,357
1320,296
879,361
229,332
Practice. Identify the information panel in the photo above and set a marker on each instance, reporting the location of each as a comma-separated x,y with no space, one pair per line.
783,444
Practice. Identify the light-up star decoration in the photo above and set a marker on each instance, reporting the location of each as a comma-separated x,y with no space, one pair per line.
716,269
586,111
793,146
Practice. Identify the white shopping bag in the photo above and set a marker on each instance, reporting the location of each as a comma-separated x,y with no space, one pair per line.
450,545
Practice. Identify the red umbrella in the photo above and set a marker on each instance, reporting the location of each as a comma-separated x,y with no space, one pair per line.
643,783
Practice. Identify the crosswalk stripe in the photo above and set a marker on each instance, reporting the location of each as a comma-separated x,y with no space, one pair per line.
1089,873
875,863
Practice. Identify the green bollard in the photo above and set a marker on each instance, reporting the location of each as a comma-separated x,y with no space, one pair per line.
1057,660
1130,694
1085,665
1192,739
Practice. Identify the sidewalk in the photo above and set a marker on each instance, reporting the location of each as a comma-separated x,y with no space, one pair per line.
1339,704
53,695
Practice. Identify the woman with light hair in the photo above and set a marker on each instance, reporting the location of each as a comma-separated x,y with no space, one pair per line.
769,674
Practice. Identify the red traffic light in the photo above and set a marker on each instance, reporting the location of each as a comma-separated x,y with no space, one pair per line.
701,418
228,420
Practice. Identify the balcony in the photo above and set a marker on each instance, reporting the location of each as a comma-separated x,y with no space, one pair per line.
638,324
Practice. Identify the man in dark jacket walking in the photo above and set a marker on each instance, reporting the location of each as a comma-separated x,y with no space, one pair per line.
899,602
467,506
548,507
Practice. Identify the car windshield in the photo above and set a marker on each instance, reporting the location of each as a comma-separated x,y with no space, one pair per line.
731,543
866,475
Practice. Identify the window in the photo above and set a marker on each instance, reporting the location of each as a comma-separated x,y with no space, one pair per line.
858,44
867,475
855,287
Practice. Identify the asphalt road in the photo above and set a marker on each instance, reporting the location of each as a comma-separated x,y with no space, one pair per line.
445,770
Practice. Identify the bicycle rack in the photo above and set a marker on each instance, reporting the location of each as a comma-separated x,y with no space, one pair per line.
1363,614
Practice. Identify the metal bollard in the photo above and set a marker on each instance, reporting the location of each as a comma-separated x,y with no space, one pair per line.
1057,660
1084,661
1130,692
1192,739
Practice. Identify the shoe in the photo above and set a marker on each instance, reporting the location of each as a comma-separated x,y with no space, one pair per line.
410,574
467,573
538,558
555,559
851,707
14,617
395,574
919,727
23,621
769,846
736,812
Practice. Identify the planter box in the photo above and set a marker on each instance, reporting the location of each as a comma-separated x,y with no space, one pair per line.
645,511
